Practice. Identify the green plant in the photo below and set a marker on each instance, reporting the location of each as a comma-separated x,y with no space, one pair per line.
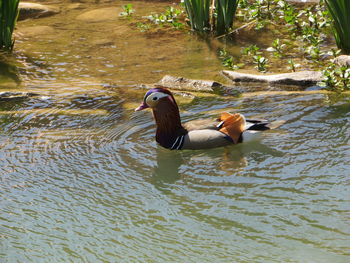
292,65
340,12
229,61
243,4
290,15
143,27
8,18
266,12
170,16
278,48
261,63
337,78
307,29
262,9
334,52
127,10
252,50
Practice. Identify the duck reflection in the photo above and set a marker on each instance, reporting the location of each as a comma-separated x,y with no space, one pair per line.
168,166
228,161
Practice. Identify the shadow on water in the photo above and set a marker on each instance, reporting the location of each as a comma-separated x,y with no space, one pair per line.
8,71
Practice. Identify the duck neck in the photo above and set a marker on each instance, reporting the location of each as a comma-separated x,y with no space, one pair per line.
168,123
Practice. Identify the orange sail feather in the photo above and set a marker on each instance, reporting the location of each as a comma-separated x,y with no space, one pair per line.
233,125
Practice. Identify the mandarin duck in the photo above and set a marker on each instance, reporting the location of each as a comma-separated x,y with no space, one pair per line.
228,129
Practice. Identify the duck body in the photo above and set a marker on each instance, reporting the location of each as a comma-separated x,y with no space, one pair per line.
228,129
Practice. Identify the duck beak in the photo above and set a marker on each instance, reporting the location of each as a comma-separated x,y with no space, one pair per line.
142,107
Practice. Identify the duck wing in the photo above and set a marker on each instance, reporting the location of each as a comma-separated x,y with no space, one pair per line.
205,139
228,129
210,123
201,124
238,128
205,134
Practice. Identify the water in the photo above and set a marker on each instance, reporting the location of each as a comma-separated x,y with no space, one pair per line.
82,179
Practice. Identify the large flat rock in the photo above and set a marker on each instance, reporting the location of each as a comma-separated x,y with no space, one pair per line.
180,83
35,31
205,87
99,15
303,2
301,78
34,10
342,60
14,96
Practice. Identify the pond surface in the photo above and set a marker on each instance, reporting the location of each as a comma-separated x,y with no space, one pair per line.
82,179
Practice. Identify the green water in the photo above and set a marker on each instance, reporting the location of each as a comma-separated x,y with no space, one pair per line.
82,179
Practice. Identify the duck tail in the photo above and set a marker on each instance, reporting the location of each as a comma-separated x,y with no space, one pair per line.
263,125
236,126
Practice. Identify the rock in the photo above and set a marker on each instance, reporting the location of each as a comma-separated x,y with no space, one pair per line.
303,2
200,86
35,31
342,60
301,78
98,15
13,96
74,6
33,10
179,83
102,42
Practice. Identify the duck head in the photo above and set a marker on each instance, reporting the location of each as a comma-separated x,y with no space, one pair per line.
166,114
156,96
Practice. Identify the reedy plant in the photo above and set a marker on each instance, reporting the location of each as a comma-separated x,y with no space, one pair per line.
8,18
340,12
225,14
198,12
204,17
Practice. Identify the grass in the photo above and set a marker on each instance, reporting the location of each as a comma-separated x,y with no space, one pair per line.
8,18
340,12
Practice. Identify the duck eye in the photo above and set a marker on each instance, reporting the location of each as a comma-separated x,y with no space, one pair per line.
155,98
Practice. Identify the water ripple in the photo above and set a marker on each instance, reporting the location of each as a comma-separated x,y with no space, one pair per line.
97,187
